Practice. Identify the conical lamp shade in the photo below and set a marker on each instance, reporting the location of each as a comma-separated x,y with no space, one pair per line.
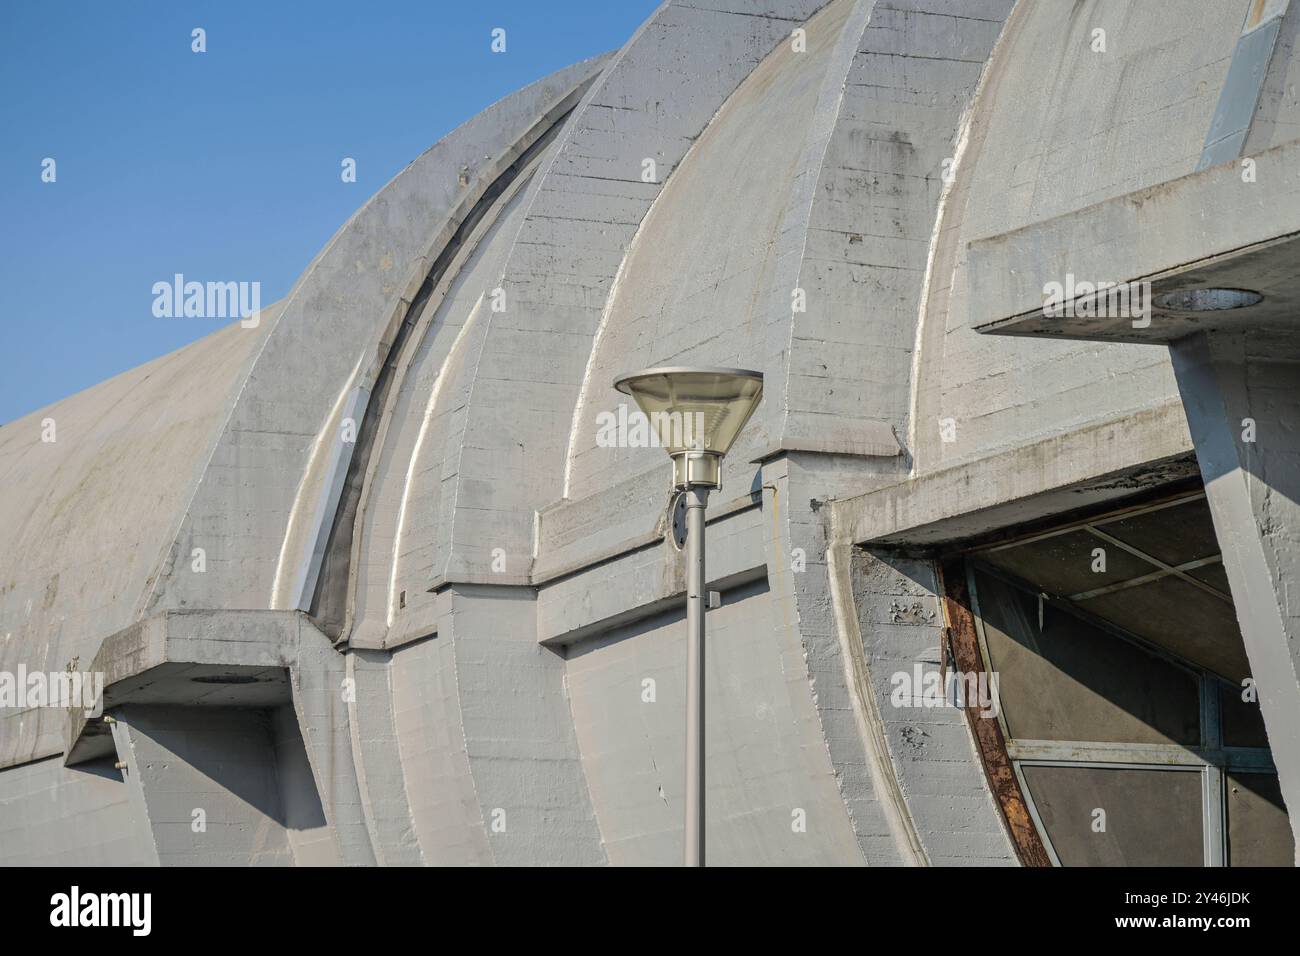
695,409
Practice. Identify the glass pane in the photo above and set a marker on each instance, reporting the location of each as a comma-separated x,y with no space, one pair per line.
1062,565
1173,535
1259,833
1152,817
1214,575
1195,625
1073,681
1243,723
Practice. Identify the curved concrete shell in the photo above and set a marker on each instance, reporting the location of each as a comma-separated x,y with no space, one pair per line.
367,583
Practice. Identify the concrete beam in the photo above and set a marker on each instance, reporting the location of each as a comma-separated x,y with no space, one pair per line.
1223,227
1240,394
1101,462
633,514
285,668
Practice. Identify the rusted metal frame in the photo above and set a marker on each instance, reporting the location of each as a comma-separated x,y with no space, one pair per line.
963,647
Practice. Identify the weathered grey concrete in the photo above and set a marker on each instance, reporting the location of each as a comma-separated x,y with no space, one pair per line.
88,517
1223,232
494,585
562,268
674,304
755,807
519,737
933,755
51,816
445,810
1252,482
212,788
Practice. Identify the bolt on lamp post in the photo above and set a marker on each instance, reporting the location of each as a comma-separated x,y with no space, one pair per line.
696,413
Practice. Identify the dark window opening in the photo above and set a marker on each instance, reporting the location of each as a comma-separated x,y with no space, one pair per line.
1124,692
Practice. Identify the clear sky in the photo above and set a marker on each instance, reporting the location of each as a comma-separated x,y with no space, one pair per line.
223,165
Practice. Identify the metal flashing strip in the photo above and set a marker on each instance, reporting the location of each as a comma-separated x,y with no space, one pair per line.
323,521
1245,80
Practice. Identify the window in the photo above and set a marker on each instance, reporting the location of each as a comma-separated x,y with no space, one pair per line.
1123,692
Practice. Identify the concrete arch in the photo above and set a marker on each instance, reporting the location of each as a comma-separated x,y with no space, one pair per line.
1147,103
263,501
676,303
90,526
563,264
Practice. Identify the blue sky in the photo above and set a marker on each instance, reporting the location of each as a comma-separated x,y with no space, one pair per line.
221,165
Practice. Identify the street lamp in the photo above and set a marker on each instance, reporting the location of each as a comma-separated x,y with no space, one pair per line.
696,413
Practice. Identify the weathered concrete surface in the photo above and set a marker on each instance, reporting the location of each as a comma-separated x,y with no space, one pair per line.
781,809
519,739
1242,394
51,816
569,250
88,517
1224,231
406,527
1108,124
445,810
498,583
220,786
861,216
675,304
934,759
857,247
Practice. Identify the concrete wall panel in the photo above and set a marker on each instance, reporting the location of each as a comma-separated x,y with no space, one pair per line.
562,268
51,815
768,771
87,517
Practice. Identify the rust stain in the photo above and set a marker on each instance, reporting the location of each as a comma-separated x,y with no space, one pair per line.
963,645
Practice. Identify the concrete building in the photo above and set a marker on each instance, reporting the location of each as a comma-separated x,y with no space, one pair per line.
1007,565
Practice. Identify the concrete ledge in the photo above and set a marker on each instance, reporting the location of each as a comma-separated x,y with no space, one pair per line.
648,580
833,435
1216,231
205,658
1088,466
629,516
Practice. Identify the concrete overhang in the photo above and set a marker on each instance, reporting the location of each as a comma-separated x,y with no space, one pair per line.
193,658
1089,467
1231,226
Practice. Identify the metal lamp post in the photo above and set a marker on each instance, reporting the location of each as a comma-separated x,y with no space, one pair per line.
696,414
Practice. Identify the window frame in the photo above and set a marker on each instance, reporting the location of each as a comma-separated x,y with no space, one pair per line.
1003,755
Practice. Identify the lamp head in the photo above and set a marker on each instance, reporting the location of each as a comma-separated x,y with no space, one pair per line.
696,414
